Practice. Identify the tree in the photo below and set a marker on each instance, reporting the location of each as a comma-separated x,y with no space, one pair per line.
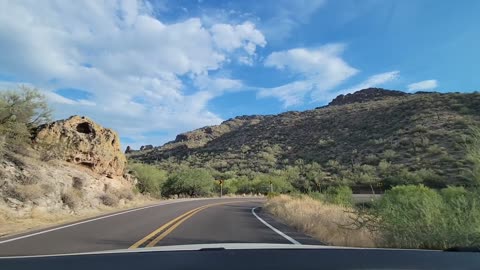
192,182
366,174
21,111
26,106
150,178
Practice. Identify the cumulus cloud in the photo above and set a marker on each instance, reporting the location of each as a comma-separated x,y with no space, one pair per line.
231,37
130,62
423,85
319,69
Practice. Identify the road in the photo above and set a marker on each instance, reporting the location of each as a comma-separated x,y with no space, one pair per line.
226,220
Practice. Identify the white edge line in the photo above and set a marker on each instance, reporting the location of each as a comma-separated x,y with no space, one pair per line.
95,219
293,241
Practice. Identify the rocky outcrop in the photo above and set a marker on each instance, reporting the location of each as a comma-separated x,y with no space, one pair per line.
365,95
86,143
146,147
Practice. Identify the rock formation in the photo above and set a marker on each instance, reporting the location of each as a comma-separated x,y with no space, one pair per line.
86,143
365,95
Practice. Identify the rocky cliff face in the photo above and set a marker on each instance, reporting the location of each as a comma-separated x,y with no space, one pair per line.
86,143
365,95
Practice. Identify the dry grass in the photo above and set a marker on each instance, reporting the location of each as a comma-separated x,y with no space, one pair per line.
325,222
12,221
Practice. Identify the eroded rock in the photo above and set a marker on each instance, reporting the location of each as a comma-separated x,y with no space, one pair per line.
86,143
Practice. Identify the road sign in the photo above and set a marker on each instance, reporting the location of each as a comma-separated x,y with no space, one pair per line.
221,186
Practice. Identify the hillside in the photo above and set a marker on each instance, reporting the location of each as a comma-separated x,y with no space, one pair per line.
374,135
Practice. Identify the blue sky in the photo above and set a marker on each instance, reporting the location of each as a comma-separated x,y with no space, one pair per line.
153,69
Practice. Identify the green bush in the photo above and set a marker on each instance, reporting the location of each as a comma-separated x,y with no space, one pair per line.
21,111
229,187
473,156
460,217
317,196
419,217
264,182
408,217
190,182
341,195
150,178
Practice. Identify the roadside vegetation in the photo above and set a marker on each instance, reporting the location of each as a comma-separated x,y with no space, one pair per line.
406,216
324,221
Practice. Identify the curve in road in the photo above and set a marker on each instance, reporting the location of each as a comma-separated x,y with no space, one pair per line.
168,223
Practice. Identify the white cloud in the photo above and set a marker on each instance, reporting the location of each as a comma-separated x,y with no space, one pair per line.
372,81
290,94
287,16
56,98
129,61
321,69
423,85
229,38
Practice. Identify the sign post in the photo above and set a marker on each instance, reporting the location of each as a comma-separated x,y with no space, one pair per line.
221,187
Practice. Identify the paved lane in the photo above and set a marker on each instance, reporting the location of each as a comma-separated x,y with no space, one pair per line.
200,221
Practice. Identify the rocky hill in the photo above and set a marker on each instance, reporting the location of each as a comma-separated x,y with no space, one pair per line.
356,134
365,95
74,166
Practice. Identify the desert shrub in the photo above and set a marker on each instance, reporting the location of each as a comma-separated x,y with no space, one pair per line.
341,195
271,195
326,142
435,149
109,199
473,156
264,182
123,193
21,111
317,196
71,198
408,217
460,218
389,154
150,178
419,217
242,184
229,187
429,177
27,179
28,192
47,188
402,176
371,159
78,182
191,182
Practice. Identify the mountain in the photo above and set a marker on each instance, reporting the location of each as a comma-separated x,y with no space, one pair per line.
418,136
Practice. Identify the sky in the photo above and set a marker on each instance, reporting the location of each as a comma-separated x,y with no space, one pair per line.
153,69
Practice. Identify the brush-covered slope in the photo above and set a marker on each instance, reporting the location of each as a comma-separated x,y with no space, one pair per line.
364,131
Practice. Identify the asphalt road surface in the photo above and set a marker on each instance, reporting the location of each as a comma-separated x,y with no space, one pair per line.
229,220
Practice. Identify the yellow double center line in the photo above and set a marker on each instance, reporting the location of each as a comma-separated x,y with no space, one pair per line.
168,227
